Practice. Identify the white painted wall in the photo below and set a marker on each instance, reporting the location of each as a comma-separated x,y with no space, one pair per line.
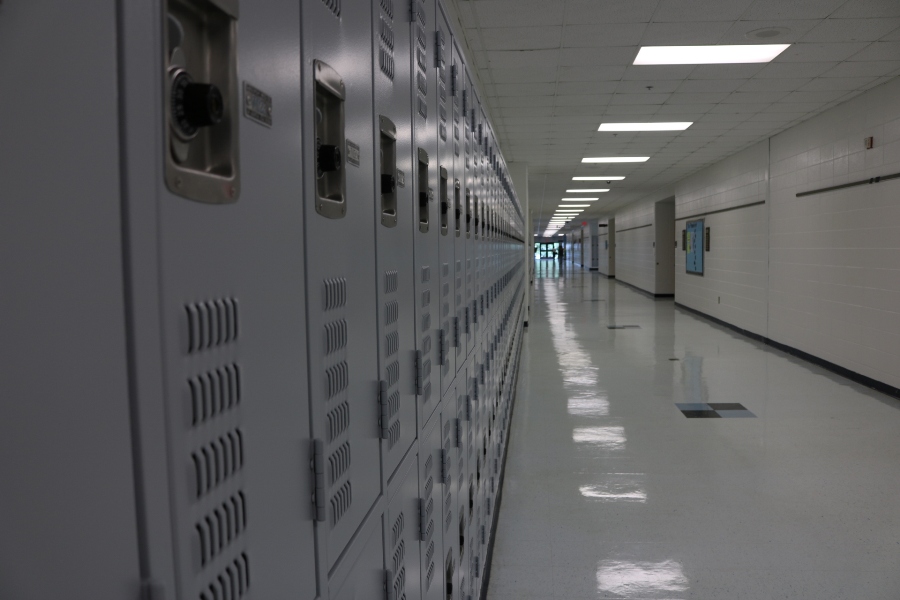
834,274
733,286
819,273
635,251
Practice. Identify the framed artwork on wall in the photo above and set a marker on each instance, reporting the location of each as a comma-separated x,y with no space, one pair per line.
693,247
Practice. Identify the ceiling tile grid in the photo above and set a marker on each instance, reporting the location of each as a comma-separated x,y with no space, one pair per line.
553,70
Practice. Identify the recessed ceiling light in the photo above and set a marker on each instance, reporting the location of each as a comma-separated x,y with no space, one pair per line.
616,159
592,178
679,126
585,191
708,55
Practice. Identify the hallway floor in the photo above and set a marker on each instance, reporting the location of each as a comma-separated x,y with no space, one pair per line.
613,490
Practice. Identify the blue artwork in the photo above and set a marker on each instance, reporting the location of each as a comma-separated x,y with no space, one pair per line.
693,247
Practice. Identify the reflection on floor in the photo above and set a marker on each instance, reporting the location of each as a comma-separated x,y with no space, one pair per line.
611,493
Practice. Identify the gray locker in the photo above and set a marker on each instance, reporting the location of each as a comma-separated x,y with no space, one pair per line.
65,438
427,225
394,220
457,126
431,493
443,45
463,441
471,230
450,472
402,535
225,238
360,574
338,199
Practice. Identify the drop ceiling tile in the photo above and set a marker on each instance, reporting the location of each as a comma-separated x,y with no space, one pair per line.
793,107
524,89
774,85
602,35
518,13
607,73
511,101
600,100
851,30
691,33
792,9
522,75
582,12
724,71
521,38
639,98
822,96
699,98
893,36
586,87
772,117
723,118
597,111
737,34
794,70
587,57
645,109
754,97
868,8
507,59
747,109
710,85
820,52
879,51
863,69
640,87
700,10
650,72
685,109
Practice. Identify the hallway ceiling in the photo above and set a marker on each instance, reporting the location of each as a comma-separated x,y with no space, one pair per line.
553,70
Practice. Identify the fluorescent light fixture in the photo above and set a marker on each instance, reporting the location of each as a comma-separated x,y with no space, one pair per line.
574,205
593,178
680,126
564,211
615,159
708,55
594,191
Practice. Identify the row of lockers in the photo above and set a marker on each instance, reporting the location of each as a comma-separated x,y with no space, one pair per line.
264,292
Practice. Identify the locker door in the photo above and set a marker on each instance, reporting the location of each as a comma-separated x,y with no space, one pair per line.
468,117
443,45
65,435
461,483
223,233
340,265
458,128
402,536
426,227
450,472
394,219
431,511
360,575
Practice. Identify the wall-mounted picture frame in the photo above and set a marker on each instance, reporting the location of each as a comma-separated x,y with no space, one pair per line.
693,247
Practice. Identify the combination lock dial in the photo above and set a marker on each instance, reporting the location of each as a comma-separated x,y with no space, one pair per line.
195,105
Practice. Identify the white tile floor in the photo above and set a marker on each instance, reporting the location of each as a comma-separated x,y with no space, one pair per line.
611,492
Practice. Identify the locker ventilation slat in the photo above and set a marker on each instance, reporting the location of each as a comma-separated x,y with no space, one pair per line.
340,503
217,461
219,528
335,336
334,6
393,435
397,530
391,312
334,293
338,421
391,282
339,463
393,373
337,379
211,324
213,393
388,7
392,343
232,584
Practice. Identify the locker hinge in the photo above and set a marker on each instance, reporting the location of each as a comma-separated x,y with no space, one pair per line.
475,389
388,584
456,332
468,408
459,434
384,418
467,320
423,519
318,468
442,339
481,369
475,311
151,591
418,371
